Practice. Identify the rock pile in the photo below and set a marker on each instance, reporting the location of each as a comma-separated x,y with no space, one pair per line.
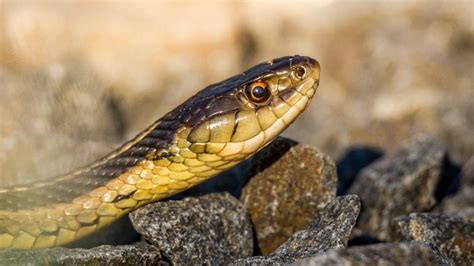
400,183
288,213
212,229
302,177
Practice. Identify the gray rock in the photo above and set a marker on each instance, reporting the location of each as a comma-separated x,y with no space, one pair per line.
212,229
291,183
410,253
261,260
462,203
140,254
330,229
453,236
398,184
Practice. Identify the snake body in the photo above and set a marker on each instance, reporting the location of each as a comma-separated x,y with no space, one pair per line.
209,133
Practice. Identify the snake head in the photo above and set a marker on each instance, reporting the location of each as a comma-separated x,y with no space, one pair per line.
237,117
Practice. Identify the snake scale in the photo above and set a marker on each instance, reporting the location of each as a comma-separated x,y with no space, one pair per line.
212,131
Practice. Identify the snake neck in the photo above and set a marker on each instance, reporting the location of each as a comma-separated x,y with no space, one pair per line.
140,172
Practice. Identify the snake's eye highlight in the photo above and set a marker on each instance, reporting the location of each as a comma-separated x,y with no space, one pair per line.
258,92
299,72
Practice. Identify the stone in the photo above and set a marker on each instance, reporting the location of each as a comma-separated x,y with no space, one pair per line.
260,260
351,163
462,203
213,229
453,207
453,236
398,184
331,228
409,253
292,182
140,254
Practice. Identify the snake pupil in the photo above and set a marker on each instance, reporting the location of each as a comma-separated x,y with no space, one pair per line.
258,92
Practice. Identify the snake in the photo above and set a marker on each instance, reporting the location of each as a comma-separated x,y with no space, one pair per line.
220,126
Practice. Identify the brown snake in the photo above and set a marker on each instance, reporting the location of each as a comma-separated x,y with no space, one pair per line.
217,128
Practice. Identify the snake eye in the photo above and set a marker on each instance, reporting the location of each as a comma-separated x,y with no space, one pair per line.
258,92
299,72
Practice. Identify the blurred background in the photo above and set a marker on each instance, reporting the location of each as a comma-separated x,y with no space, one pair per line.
77,78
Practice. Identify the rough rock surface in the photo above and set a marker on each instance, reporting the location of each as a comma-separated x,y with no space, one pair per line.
462,203
292,183
351,163
398,184
410,253
210,229
140,254
331,228
453,236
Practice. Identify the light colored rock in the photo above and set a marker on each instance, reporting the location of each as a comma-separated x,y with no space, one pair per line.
330,229
451,235
293,182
